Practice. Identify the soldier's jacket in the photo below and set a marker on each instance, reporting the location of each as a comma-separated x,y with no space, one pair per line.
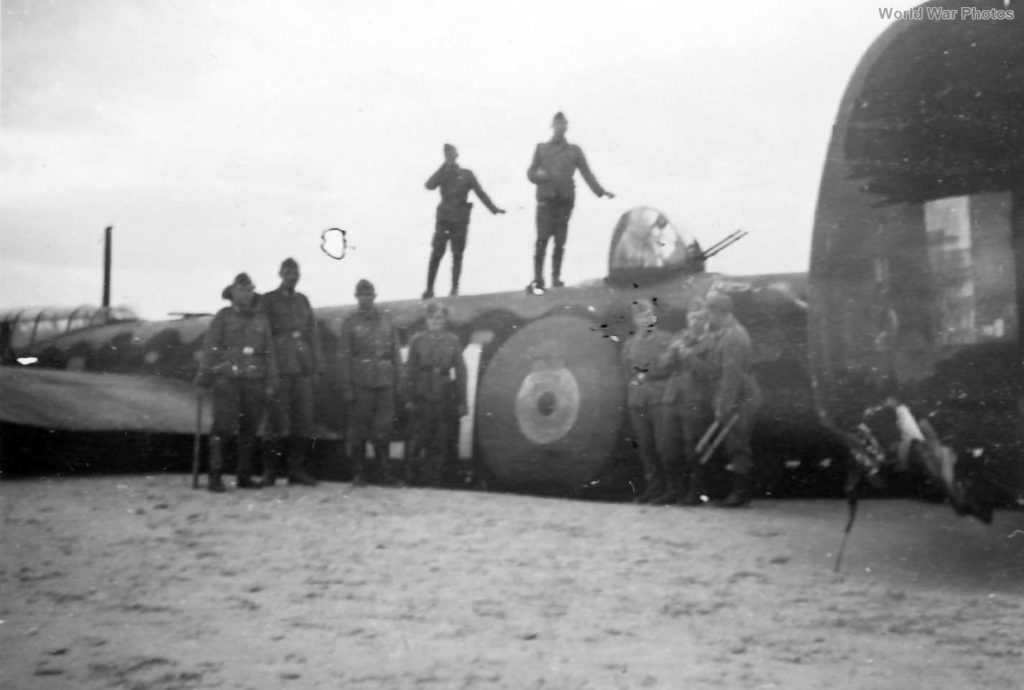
456,183
238,345
436,370
643,357
293,327
560,160
368,351
731,360
690,382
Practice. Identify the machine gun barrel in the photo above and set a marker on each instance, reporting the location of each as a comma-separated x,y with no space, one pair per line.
723,243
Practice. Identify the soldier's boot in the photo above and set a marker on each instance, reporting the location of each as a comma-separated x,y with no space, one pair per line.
243,473
538,271
270,450
357,453
694,489
435,261
672,494
381,453
742,492
216,465
297,462
556,267
456,274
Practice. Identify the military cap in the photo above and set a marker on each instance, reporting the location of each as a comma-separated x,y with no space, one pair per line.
241,280
718,301
559,119
449,147
365,287
434,308
289,263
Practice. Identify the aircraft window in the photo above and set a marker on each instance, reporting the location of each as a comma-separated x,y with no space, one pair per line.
48,324
645,238
21,336
971,259
79,318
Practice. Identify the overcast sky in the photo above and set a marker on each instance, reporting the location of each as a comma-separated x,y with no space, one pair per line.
224,136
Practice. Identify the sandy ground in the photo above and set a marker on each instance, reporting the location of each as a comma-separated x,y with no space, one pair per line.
141,582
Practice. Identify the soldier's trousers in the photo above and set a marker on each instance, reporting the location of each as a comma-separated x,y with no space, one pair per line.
552,223
445,232
291,407
432,424
648,424
684,425
737,443
238,406
371,417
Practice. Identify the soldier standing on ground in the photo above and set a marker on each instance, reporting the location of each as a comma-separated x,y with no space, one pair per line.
552,169
238,361
452,223
643,356
735,394
688,402
299,359
436,376
370,368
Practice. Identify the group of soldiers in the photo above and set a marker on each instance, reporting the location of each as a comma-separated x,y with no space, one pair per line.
552,170
261,357
689,394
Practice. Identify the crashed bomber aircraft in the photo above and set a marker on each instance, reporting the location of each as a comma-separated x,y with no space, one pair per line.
906,357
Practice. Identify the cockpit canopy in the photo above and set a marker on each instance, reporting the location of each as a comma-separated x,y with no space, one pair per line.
646,246
27,327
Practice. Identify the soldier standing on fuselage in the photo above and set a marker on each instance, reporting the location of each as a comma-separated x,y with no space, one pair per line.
299,359
370,368
643,357
735,393
552,168
238,361
688,402
436,376
452,223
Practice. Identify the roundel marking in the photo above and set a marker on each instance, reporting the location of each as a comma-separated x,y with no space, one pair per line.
547,404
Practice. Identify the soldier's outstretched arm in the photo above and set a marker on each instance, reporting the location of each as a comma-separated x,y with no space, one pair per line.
482,195
588,176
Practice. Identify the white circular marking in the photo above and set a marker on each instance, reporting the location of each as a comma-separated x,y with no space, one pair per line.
547,404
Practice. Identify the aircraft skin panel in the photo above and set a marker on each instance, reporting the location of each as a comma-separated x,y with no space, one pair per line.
80,401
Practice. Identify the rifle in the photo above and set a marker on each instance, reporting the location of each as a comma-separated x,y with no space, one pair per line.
713,438
195,444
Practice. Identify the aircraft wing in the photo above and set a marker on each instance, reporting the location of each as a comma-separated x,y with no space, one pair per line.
84,401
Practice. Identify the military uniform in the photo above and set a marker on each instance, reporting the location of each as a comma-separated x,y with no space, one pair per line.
556,196
648,378
452,223
299,359
436,377
687,409
735,392
238,354
370,368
